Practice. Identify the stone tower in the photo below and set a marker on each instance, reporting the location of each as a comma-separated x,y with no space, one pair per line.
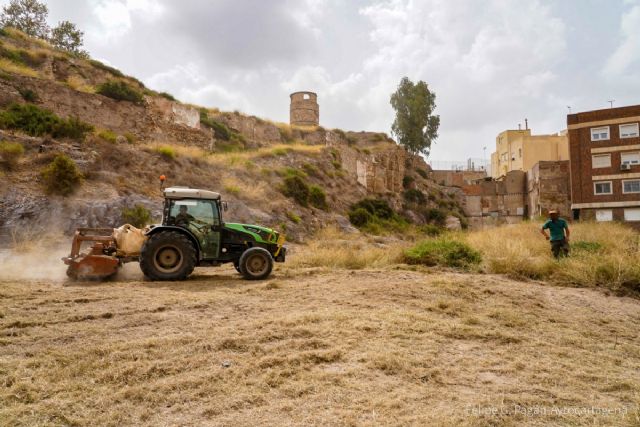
304,109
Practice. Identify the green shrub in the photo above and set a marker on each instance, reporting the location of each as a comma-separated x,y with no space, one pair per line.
105,67
376,207
407,181
341,133
351,140
28,95
120,91
311,170
414,196
167,96
280,151
435,216
318,198
61,176
585,246
138,216
37,121
296,188
430,230
166,152
336,164
131,138
293,217
286,172
72,127
443,251
10,153
359,217
108,136
220,130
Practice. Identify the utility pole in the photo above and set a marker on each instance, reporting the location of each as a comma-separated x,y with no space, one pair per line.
611,101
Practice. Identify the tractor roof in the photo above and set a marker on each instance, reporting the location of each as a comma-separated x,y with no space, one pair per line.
190,193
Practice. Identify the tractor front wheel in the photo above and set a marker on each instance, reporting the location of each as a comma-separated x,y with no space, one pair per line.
168,255
256,264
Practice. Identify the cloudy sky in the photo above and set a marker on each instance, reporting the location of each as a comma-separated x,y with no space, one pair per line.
491,63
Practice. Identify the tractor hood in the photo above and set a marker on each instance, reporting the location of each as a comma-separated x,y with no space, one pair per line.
259,233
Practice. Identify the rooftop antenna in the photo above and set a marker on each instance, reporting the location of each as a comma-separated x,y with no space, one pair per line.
569,108
526,124
611,101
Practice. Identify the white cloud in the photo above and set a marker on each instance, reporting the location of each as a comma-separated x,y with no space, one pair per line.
115,17
626,58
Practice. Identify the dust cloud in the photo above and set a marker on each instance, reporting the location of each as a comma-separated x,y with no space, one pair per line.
33,264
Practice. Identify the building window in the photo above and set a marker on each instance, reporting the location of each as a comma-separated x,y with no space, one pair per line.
632,214
600,134
602,187
631,186
629,130
630,158
604,215
601,161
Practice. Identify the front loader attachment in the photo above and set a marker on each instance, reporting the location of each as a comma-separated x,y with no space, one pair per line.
96,262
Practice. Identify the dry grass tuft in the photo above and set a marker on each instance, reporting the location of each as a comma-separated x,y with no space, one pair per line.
335,249
11,67
603,254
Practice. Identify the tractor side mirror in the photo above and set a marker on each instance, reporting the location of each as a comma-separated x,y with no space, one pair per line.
225,206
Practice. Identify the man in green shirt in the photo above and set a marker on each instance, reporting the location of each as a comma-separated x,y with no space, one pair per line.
559,230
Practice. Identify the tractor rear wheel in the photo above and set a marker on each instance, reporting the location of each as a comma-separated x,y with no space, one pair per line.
256,264
168,255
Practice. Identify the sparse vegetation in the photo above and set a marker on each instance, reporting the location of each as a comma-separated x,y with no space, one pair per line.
167,96
104,67
120,91
414,196
37,121
166,152
28,95
108,136
407,180
138,216
378,219
61,176
293,217
10,154
317,197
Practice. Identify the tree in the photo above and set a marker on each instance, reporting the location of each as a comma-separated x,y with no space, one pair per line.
28,16
415,126
67,36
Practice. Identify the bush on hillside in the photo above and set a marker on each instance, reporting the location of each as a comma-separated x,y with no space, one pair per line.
36,121
414,196
10,153
61,176
359,217
318,198
430,230
296,188
28,95
220,130
407,181
108,136
138,216
167,153
167,95
443,251
376,207
120,91
435,216
423,173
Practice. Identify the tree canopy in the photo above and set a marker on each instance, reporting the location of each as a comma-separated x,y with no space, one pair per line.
415,125
30,17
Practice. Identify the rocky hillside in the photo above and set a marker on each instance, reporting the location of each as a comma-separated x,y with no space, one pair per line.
122,136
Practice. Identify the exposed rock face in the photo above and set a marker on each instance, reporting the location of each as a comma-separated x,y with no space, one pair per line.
176,113
256,131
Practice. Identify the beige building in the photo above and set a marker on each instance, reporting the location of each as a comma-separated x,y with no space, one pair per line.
519,150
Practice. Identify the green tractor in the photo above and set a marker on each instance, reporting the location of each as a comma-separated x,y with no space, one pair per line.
192,234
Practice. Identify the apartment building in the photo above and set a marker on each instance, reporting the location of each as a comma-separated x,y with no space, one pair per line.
604,149
519,150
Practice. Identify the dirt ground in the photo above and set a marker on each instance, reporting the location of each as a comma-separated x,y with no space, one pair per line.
317,347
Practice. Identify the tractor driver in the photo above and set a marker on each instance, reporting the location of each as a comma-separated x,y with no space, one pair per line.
183,218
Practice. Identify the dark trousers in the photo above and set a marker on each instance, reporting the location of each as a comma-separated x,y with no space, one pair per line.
559,248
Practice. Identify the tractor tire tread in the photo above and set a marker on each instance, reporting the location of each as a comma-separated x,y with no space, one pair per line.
148,249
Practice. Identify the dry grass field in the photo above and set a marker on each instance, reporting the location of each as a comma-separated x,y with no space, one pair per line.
317,346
